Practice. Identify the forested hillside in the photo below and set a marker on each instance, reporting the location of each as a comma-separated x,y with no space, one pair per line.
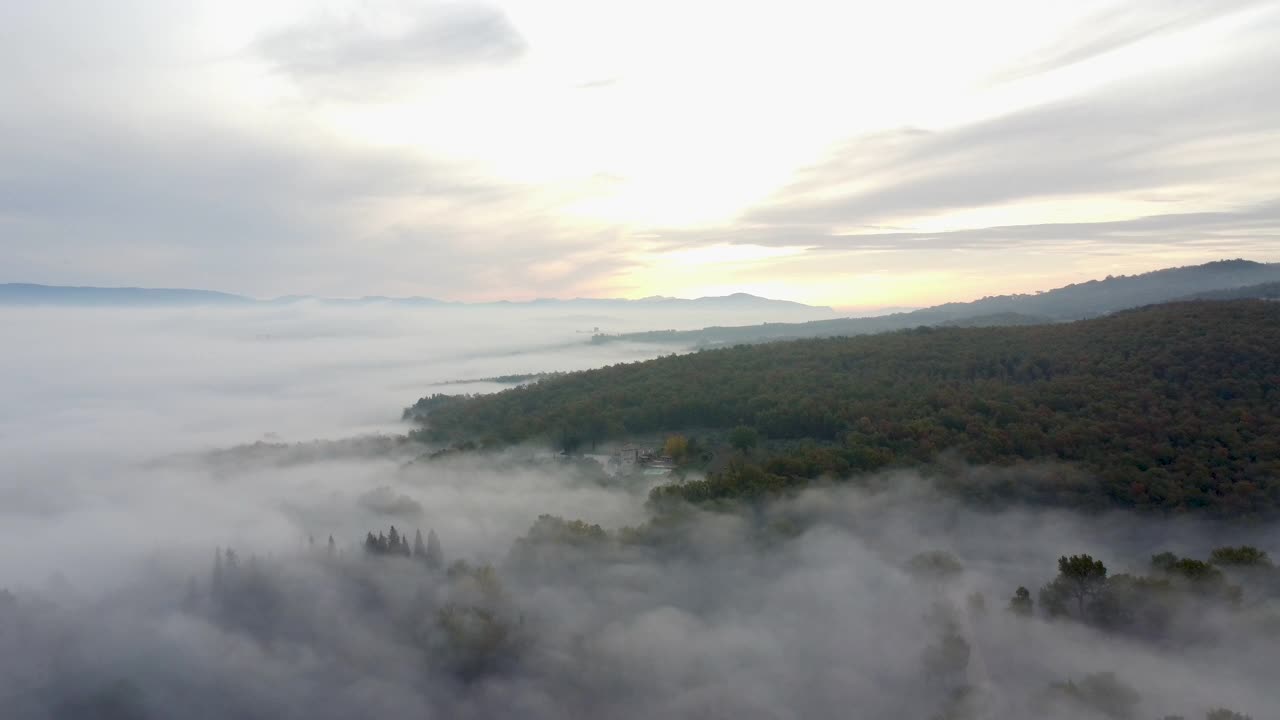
1222,280
1173,407
1262,291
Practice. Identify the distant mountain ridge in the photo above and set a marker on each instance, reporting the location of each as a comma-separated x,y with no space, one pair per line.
34,294
1222,279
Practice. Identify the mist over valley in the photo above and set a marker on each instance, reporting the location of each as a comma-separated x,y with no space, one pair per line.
484,359
217,512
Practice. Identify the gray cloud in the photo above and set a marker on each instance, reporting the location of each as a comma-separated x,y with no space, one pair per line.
430,36
1112,143
115,174
195,202
1252,232
1212,125
1117,27
1254,229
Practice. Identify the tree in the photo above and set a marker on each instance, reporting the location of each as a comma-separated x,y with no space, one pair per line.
676,447
1225,714
190,598
1203,579
937,565
119,700
570,439
977,603
1021,602
419,549
1195,571
744,438
947,660
434,555
215,582
1099,693
1243,556
477,639
1080,578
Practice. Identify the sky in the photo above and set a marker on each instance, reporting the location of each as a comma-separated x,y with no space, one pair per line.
849,154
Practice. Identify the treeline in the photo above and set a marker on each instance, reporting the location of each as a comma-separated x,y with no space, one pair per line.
428,553
395,616
1171,599
1167,607
1172,407
1179,602
459,617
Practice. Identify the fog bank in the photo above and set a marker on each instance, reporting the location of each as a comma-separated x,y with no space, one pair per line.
130,470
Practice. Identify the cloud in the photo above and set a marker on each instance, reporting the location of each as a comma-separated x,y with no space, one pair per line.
1162,168
360,47
146,146
265,202
1128,139
1204,138
1249,230
241,210
1114,28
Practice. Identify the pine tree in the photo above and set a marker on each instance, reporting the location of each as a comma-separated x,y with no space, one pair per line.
419,549
331,550
191,597
215,582
435,556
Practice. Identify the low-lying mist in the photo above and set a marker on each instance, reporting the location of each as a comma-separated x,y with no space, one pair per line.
158,563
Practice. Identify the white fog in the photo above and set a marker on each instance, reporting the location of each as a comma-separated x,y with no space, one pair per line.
124,470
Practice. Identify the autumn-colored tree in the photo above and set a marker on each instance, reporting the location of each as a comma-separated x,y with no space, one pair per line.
676,447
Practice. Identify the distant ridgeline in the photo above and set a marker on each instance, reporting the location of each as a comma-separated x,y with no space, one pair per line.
1222,280
1172,407
28,294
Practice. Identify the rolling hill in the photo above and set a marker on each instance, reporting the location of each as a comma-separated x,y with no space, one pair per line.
32,294
1171,407
1227,278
